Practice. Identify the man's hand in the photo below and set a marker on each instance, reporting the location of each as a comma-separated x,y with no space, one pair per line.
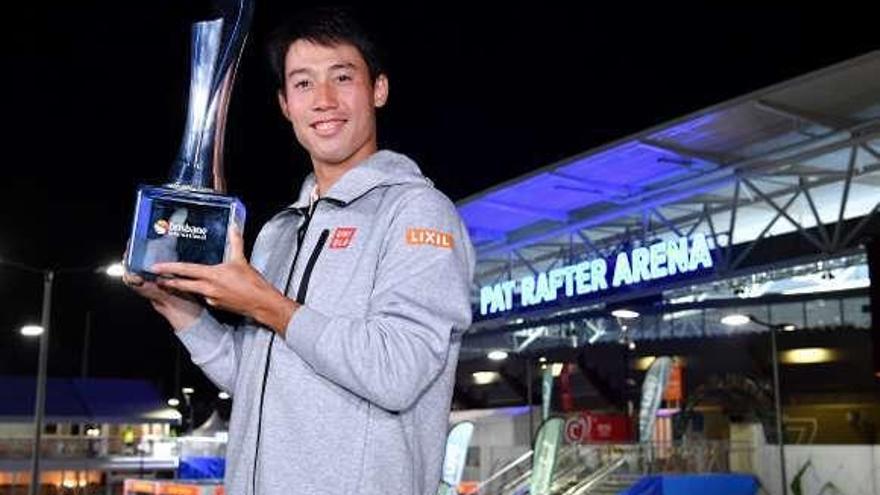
233,286
181,311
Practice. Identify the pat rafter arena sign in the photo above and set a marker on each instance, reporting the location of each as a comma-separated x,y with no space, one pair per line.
663,261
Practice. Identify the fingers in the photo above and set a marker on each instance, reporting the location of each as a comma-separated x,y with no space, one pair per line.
151,291
132,280
187,270
236,244
185,285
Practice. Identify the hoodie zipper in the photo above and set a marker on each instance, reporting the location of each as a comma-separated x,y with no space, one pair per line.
300,298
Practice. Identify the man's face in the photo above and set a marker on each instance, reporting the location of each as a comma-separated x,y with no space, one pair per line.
330,100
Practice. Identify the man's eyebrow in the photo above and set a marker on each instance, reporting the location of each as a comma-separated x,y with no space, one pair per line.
336,66
294,72
343,65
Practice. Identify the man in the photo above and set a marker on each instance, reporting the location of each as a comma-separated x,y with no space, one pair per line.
354,296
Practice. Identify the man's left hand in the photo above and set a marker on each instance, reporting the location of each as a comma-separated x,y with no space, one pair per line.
233,285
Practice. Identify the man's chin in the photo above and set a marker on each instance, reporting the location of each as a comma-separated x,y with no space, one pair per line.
331,159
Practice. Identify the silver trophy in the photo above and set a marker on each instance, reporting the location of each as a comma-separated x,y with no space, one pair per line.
189,218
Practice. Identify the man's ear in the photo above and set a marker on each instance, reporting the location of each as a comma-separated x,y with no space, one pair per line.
282,102
380,91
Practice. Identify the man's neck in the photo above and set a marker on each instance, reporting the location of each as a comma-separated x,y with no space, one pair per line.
326,174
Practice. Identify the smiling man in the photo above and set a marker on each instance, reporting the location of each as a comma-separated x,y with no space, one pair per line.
355,296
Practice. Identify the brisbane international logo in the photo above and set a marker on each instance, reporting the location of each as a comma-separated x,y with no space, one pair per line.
181,230
161,226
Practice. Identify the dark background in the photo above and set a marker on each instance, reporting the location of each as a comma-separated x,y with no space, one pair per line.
94,98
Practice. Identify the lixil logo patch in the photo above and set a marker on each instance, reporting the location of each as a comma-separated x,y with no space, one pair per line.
429,237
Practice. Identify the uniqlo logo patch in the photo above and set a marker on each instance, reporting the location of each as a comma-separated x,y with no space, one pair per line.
342,237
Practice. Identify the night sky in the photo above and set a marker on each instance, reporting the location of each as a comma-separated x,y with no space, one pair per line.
94,102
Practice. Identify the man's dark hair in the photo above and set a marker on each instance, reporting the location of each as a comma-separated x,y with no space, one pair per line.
323,26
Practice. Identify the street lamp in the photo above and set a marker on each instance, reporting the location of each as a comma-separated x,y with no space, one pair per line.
31,330
187,396
739,320
116,270
497,355
43,332
625,314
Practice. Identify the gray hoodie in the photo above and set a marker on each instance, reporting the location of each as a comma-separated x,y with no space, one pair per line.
355,398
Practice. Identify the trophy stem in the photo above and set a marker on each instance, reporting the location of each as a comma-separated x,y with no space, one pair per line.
216,50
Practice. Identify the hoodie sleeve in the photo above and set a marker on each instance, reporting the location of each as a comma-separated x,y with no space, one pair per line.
215,348
421,295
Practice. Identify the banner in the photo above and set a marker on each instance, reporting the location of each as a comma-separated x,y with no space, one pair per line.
546,391
586,427
674,391
652,392
457,443
544,460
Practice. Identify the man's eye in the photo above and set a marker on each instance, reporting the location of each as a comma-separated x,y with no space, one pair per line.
301,84
343,78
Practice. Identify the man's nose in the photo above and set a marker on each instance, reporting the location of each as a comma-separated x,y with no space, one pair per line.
325,96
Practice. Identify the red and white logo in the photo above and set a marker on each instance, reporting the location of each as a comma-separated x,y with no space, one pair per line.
161,227
342,237
577,429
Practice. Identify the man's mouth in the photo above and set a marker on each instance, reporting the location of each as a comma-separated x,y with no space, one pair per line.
328,127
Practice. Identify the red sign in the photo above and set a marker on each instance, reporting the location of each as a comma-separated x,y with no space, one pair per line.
674,391
587,427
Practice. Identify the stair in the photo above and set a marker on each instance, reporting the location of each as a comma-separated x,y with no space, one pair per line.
615,484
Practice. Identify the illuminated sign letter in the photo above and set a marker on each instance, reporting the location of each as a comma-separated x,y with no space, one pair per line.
622,272
677,256
700,253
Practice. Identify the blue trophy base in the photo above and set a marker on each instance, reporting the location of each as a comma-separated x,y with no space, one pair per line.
184,225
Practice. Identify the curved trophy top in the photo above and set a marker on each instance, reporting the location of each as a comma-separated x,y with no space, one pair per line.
216,50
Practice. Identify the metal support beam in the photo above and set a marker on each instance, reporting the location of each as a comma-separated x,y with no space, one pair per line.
666,222
832,122
598,186
732,228
860,226
589,243
752,244
534,211
704,156
850,167
820,226
785,214
526,262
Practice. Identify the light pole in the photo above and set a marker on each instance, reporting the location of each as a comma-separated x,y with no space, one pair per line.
739,320
187,396
624,317
40,401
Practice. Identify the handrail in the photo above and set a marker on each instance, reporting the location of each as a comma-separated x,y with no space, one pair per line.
515,485
596,477
497,474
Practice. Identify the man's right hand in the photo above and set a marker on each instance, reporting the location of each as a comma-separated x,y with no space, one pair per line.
180,310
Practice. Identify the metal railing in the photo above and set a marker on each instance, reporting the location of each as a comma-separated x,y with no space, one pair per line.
581,468
74,447
516,465
596,478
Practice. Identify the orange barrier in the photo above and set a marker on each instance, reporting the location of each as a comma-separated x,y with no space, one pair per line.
177,487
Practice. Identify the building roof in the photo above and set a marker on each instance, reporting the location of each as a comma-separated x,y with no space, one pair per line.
85,400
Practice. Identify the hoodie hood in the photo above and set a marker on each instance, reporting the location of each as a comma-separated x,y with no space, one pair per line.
383,168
